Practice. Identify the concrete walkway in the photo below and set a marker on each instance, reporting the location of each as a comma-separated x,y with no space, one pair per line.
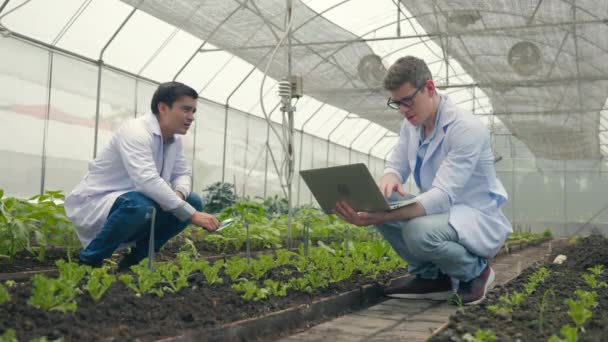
410,320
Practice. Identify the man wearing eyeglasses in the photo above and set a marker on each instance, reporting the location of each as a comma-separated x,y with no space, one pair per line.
457,222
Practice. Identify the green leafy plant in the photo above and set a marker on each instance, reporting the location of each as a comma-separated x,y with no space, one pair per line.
167,272
99,282
481,335
9,335
4,295
250,290
457,299
570,334
45,339
588,299
251,211
260,266
276,288
300,284
53,294
548,298
218,196
508,302
16,227
235,266
276,205
60,293
53,226
211,273
578,312
341,270
317,279
284,257
146,280
187,265
596,270
591,280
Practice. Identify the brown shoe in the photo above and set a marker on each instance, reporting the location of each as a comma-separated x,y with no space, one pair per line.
419,288
474,291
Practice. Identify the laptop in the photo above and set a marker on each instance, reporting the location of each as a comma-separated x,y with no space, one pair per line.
351,183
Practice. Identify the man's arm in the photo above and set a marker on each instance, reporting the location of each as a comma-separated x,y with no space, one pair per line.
135,148
466,141
348,214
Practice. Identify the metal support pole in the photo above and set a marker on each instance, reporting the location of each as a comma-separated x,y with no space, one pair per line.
226,111
247,241
45,131
302,144
369,153
151,241
266,147
306,235
350,146
290,121
4,5
329,137
565,202
99,73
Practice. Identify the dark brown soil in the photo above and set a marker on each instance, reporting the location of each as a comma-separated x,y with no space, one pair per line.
25,261
121,316
524,323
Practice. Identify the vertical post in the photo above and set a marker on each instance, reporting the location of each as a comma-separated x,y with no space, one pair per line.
99,73
291,124
302,144
329,137
266,147
565,201
346,236
247,241
306,235
152,213
226,111
45,132
350,146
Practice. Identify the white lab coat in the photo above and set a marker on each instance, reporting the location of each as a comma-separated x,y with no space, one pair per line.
457,176
135,160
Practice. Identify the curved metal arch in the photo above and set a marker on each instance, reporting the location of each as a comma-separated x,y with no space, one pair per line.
219,25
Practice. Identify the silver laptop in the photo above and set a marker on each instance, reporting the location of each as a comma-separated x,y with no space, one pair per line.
351,183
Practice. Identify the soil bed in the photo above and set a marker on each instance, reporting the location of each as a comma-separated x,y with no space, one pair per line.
121,316
524,323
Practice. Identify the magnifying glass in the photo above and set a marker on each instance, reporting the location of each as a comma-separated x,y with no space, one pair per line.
224,224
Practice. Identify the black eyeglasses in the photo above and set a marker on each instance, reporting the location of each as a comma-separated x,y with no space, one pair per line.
406,101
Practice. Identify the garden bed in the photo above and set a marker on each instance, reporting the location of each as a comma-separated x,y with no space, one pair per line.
122,315
523,311
212,297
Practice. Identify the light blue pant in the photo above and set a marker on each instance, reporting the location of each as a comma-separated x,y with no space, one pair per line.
430,244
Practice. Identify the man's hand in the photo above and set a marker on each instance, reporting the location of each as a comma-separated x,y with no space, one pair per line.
207,221
390,183
348,214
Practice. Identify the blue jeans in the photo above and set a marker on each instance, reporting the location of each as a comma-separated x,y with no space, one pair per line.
429,244
129,221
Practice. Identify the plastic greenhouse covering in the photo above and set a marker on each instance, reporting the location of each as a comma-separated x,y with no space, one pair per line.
534,71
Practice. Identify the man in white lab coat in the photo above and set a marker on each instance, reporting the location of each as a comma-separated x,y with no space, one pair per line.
142,167
457,222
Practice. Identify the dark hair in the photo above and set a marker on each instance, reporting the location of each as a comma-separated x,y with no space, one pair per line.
169,92
407,69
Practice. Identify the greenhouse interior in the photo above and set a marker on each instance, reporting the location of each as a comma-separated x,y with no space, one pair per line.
209,170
